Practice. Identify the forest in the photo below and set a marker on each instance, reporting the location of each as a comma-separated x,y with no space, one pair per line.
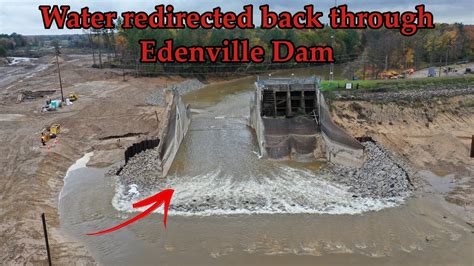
365,53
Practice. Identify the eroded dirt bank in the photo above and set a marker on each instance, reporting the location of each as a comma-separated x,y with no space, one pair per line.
433,133
108,109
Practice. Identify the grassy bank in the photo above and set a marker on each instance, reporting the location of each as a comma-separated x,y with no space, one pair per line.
400,84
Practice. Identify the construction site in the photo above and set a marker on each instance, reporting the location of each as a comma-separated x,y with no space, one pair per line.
294,167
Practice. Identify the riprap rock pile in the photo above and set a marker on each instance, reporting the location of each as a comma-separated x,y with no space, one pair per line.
380,176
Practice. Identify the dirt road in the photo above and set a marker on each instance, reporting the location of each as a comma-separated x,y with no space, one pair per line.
457,70
32,174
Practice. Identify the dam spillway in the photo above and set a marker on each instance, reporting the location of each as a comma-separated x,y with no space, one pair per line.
292,121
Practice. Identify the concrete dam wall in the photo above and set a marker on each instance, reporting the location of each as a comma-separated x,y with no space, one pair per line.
341,148
157,151
177,120
292,137
292,121
282,114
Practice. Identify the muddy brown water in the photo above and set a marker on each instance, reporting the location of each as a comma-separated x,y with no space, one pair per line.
424,229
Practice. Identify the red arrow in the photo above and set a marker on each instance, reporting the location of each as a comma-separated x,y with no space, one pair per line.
157,200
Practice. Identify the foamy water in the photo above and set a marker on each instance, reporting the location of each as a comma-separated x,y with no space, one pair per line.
217,171
80,163
288,191
18,60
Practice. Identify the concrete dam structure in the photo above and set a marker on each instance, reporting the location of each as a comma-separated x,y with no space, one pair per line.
292,121
177,120
163,143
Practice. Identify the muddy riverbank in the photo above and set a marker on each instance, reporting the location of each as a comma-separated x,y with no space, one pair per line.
33,174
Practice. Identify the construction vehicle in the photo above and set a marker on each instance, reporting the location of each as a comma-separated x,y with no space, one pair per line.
410,71
55,129
388,74
50,133
72,97
44,137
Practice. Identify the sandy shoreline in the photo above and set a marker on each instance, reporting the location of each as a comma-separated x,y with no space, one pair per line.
33,174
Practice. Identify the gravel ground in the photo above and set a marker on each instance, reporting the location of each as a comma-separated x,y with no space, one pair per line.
380,176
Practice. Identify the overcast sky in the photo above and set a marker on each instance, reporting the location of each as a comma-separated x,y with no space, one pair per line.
23,16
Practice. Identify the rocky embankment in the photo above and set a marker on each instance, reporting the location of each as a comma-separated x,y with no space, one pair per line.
142,169
381,176
432,133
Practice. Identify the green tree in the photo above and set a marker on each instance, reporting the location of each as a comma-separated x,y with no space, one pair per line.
3,51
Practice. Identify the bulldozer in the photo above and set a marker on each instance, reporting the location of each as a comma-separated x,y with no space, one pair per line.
50,133
72,97
44,137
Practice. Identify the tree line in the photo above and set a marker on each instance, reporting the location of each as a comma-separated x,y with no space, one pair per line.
370,51
11,42
364,53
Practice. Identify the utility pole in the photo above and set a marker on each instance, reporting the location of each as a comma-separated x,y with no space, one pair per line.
45,230
331,67
440,65
91,41
472,147
386,62
123,68
447,51
59,74
364,61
